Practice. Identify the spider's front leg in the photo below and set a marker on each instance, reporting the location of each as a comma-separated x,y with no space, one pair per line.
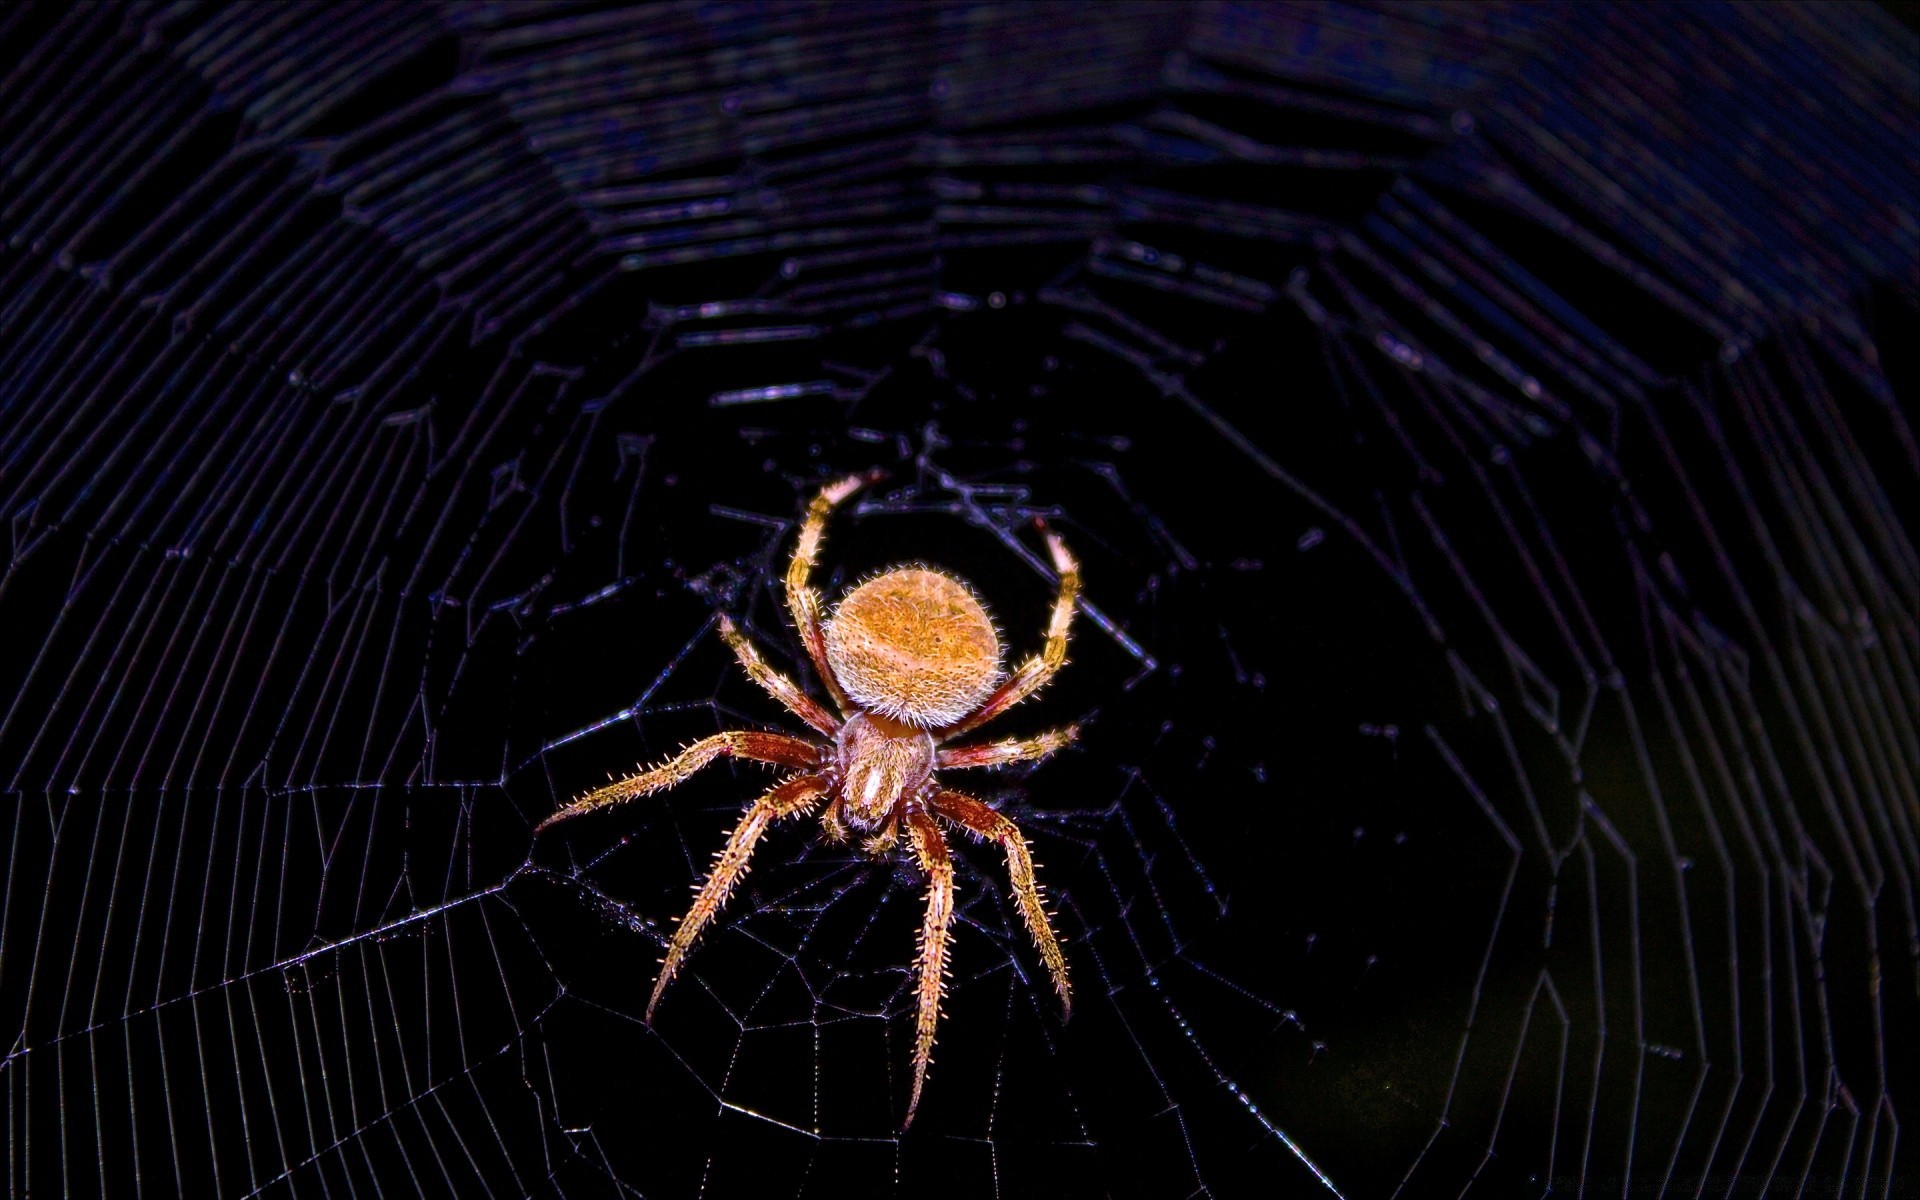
930,847
780,748
791,798
977,818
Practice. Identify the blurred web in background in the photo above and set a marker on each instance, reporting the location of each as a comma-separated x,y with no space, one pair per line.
375,376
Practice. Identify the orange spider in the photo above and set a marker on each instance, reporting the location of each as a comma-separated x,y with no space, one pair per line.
912,661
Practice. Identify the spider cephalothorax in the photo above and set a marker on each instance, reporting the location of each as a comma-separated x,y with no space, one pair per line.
912,661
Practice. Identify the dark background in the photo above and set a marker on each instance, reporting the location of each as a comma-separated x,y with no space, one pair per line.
1488,432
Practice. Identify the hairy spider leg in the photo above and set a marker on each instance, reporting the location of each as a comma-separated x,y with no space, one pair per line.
780,748
930,846
777,685
802,601
1007,750
793,797
977,818
1033,674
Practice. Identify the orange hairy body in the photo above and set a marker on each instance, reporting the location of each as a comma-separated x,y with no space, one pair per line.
911,661
916,645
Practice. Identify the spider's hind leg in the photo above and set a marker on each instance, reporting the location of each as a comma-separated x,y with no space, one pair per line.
777,685
802,601
1034,673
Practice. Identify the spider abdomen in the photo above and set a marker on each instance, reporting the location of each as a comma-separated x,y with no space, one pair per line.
916,645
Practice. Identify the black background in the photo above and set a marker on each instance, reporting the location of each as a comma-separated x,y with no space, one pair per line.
1498,689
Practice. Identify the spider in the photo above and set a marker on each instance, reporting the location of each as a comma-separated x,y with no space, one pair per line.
912,661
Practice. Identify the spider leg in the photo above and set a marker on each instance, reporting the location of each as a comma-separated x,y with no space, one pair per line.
790,798
1033,674
930,847
781,748
802,601
977,818
1007,750
777,685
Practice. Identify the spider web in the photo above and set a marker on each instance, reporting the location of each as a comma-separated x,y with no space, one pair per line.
1487,432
